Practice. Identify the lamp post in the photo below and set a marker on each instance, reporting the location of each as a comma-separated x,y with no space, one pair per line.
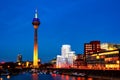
98,58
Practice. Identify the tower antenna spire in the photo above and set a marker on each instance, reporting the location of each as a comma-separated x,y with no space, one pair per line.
36,13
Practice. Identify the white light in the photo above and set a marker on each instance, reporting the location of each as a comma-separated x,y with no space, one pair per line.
8,76
36,14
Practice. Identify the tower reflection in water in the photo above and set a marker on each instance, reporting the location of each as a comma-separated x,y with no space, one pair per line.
35,76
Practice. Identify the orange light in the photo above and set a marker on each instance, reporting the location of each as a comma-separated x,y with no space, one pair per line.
1,78
35,57
90,79
78,78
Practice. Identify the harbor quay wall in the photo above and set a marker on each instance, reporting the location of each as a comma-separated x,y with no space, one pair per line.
89,72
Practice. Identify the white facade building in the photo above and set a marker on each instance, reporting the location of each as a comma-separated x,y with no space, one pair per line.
66,58
107,46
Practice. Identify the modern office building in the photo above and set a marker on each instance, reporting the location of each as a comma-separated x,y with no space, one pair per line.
36,23
104,60
67,57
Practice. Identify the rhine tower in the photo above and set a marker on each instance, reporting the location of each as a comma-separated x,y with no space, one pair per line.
36,23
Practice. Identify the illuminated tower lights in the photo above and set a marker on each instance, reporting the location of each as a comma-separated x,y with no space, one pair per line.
36,23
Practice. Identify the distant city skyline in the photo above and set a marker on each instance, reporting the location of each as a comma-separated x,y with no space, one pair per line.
62,22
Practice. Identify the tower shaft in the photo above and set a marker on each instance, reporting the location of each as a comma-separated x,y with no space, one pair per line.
36,24
35,56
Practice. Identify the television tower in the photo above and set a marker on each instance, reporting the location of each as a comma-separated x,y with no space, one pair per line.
36,23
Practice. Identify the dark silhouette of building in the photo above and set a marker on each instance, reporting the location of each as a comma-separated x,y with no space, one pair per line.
79,61
19,58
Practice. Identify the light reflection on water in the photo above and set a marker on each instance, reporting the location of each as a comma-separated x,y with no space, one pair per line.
67,77
1,78
35,76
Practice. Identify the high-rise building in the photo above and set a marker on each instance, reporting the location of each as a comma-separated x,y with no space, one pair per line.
92,47
66,58
36,23
19,58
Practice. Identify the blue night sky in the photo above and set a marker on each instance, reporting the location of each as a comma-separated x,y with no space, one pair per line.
73,22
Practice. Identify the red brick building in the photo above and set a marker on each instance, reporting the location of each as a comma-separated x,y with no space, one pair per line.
92,47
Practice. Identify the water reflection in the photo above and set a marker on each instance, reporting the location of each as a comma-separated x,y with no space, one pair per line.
78,78
67,77
8,76
35,76
1,78
90,78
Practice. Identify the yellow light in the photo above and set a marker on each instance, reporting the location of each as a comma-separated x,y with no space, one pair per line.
19,63
117,62
112,48
35,57
112,66
97,57
107,53
27,64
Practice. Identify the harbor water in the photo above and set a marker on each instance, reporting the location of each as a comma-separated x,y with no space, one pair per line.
36,76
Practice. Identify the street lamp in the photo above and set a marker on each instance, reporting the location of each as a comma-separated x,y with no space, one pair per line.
98,58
